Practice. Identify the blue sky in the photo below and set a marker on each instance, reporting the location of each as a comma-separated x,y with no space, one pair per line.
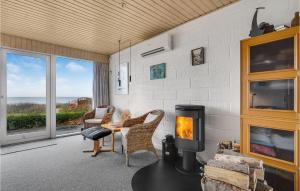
26,76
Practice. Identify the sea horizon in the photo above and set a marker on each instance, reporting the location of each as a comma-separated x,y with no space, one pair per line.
38,100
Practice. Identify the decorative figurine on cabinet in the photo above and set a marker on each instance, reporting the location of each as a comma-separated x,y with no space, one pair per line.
296,20
262,28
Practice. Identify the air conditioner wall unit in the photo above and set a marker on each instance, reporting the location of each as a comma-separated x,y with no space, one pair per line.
158,45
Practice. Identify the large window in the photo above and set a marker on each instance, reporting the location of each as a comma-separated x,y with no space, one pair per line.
74,90
27,98
26,92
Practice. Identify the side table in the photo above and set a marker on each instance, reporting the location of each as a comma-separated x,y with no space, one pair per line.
114,127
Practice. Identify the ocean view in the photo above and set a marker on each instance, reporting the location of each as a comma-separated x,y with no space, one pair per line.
37,100
26,108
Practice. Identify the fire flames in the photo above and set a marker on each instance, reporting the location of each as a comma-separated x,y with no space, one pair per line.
184,127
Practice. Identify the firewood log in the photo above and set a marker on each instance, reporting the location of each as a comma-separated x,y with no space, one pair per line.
260,173
252,162
209,184
261,186
231,152
243,168
253,179
237,179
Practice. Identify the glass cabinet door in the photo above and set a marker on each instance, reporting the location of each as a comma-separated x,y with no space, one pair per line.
276,55
272,94
274,143
279,180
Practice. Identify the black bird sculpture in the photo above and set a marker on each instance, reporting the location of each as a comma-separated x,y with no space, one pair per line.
262,28
255,30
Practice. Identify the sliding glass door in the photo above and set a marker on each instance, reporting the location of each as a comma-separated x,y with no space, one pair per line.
42,96
25,96
74,90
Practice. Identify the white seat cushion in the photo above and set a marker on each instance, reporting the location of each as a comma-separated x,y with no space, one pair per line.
150,117
124,132
100,112
93,121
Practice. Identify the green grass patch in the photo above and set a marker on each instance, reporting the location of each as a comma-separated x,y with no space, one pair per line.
36,120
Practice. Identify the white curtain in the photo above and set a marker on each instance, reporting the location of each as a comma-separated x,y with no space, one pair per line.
101,84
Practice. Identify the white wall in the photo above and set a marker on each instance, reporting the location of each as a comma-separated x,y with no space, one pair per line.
216,84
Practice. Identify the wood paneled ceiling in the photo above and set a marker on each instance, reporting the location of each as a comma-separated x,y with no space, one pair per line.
97,25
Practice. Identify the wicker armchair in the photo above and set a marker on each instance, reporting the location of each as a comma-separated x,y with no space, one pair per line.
138,135
91,115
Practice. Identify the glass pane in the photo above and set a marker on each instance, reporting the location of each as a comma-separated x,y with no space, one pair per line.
275,94
184,127
279,180
272,56
26,93
272,142
74,90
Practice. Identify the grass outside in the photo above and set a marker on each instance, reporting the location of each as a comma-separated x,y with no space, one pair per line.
33,116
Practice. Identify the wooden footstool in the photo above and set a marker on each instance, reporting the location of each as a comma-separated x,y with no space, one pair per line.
96,133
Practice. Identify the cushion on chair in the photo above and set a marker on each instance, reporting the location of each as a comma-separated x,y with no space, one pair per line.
95,133
150,117
93,121
124,132
100,112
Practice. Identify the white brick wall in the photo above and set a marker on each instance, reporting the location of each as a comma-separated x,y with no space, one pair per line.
214,84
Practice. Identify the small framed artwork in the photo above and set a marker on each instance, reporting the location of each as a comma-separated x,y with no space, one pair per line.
198,56
158,71
122,79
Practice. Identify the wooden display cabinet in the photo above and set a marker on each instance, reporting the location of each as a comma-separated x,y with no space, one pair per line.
270,82
270,104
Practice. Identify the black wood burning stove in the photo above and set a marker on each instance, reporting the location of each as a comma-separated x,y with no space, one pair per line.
189,136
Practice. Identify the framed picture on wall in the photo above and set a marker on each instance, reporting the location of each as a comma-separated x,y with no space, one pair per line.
122,79
198,56
158,71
